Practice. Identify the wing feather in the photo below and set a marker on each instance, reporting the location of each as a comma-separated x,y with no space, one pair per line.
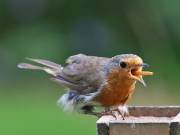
82,73
46,63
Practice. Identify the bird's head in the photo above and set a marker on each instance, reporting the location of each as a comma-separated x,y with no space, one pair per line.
129,66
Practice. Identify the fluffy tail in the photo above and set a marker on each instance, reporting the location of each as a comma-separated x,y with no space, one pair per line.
49,67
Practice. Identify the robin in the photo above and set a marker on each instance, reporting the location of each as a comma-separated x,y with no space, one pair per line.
95,81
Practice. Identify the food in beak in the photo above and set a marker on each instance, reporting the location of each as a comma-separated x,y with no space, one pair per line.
144,73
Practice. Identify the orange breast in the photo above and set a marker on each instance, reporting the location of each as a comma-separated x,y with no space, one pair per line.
117,90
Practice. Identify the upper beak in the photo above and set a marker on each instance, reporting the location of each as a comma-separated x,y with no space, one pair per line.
144,65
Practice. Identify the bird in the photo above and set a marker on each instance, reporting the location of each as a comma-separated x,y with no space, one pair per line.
94,81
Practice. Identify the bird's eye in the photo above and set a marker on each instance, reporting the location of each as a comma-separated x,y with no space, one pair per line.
123,64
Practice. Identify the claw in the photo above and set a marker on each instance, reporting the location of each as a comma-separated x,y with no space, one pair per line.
122,110
110,112
122,115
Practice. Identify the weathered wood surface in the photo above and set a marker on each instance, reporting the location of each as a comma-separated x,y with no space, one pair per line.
153,120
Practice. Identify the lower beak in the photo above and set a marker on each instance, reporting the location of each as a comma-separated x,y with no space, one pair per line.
139,79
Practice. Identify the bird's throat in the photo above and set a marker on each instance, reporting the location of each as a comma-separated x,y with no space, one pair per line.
117,90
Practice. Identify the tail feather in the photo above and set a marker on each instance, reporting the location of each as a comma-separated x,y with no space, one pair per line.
29,66
33,67
46,63
51,69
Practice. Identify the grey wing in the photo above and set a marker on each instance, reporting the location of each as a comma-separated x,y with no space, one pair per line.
85,71
77,72
51,68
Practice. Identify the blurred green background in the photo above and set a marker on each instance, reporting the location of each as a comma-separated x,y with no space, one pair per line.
56,29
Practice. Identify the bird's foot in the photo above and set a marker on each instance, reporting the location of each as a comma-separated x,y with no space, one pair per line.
123,111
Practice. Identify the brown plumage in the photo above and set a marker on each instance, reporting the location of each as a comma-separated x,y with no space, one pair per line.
117,91
92,80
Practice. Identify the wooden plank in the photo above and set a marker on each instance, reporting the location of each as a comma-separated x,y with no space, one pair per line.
157,111
139,129
150,120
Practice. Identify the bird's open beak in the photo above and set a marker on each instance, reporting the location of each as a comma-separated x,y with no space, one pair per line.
139,79
138,74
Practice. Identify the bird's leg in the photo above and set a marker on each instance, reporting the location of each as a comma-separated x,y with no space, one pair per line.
122,110
122,115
